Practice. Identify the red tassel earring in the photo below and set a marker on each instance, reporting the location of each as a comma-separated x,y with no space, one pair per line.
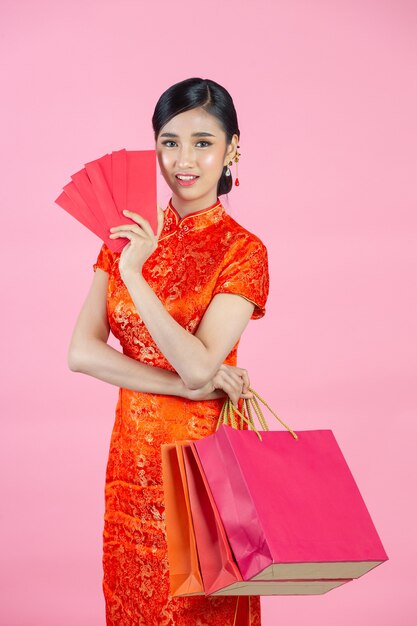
236,160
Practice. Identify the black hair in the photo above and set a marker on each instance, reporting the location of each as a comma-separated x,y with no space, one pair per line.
210,96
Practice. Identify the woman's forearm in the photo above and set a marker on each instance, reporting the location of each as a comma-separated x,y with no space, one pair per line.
102,361
186,353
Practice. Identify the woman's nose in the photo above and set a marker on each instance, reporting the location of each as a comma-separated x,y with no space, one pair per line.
185,157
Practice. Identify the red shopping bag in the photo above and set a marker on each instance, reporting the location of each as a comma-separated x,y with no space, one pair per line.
219,570
288,502
98,193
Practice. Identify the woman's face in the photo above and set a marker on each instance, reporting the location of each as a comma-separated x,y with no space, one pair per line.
193,142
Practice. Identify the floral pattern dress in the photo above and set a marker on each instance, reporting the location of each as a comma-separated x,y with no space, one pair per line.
202,254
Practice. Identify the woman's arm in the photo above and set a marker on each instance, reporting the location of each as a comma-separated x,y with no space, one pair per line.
90,354
96,358
195,357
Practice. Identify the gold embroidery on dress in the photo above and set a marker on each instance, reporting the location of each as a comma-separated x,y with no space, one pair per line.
205,253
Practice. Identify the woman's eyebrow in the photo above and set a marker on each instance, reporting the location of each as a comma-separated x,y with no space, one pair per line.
201,134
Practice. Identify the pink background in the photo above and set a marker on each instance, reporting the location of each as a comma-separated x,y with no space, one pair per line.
326,98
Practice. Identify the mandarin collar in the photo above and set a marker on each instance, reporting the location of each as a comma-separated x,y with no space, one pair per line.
197,220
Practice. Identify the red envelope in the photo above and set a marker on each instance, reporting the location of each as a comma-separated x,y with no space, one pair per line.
71,200
99,192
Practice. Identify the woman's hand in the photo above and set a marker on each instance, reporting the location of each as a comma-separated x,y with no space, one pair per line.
229,381
143,241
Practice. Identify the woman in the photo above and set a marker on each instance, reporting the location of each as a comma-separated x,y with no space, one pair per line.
178,301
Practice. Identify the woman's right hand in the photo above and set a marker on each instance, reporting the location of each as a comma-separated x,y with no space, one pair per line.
229,381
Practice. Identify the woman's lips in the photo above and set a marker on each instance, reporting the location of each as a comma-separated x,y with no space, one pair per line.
187,183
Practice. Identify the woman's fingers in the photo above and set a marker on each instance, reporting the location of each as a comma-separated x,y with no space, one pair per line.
241,375
224,380
246,381
131,228
141,226
234,381
141,221
232,390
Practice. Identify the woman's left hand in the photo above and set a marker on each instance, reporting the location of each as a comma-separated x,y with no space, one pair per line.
143,242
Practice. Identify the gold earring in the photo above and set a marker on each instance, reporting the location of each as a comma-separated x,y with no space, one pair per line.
236,160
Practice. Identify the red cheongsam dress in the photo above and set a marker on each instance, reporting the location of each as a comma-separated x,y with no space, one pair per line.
202,254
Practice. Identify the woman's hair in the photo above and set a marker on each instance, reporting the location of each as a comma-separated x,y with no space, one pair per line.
210,96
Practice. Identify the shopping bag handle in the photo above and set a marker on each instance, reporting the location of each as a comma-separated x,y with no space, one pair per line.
227,414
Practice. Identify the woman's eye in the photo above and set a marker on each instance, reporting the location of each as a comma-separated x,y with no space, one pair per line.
165,143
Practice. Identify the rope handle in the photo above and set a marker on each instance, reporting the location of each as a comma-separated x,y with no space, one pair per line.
228,410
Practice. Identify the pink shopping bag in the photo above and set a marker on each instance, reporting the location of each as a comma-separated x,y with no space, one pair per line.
220,573
289,504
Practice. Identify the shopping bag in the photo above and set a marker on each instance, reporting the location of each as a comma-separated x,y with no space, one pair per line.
184,571
288,501
219,570
217,564
99,192
195,534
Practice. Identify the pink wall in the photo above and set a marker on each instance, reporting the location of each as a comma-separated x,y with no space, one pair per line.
326,97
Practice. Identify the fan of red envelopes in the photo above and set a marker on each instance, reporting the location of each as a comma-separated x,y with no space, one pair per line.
99,193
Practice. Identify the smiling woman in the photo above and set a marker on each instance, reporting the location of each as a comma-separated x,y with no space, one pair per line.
196,137
178,302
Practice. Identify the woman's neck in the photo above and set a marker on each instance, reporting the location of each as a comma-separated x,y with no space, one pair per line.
186,207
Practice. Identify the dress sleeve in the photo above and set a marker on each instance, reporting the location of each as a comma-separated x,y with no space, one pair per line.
245,273
104,259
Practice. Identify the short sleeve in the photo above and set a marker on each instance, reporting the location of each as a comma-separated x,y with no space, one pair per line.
246,273
104,259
